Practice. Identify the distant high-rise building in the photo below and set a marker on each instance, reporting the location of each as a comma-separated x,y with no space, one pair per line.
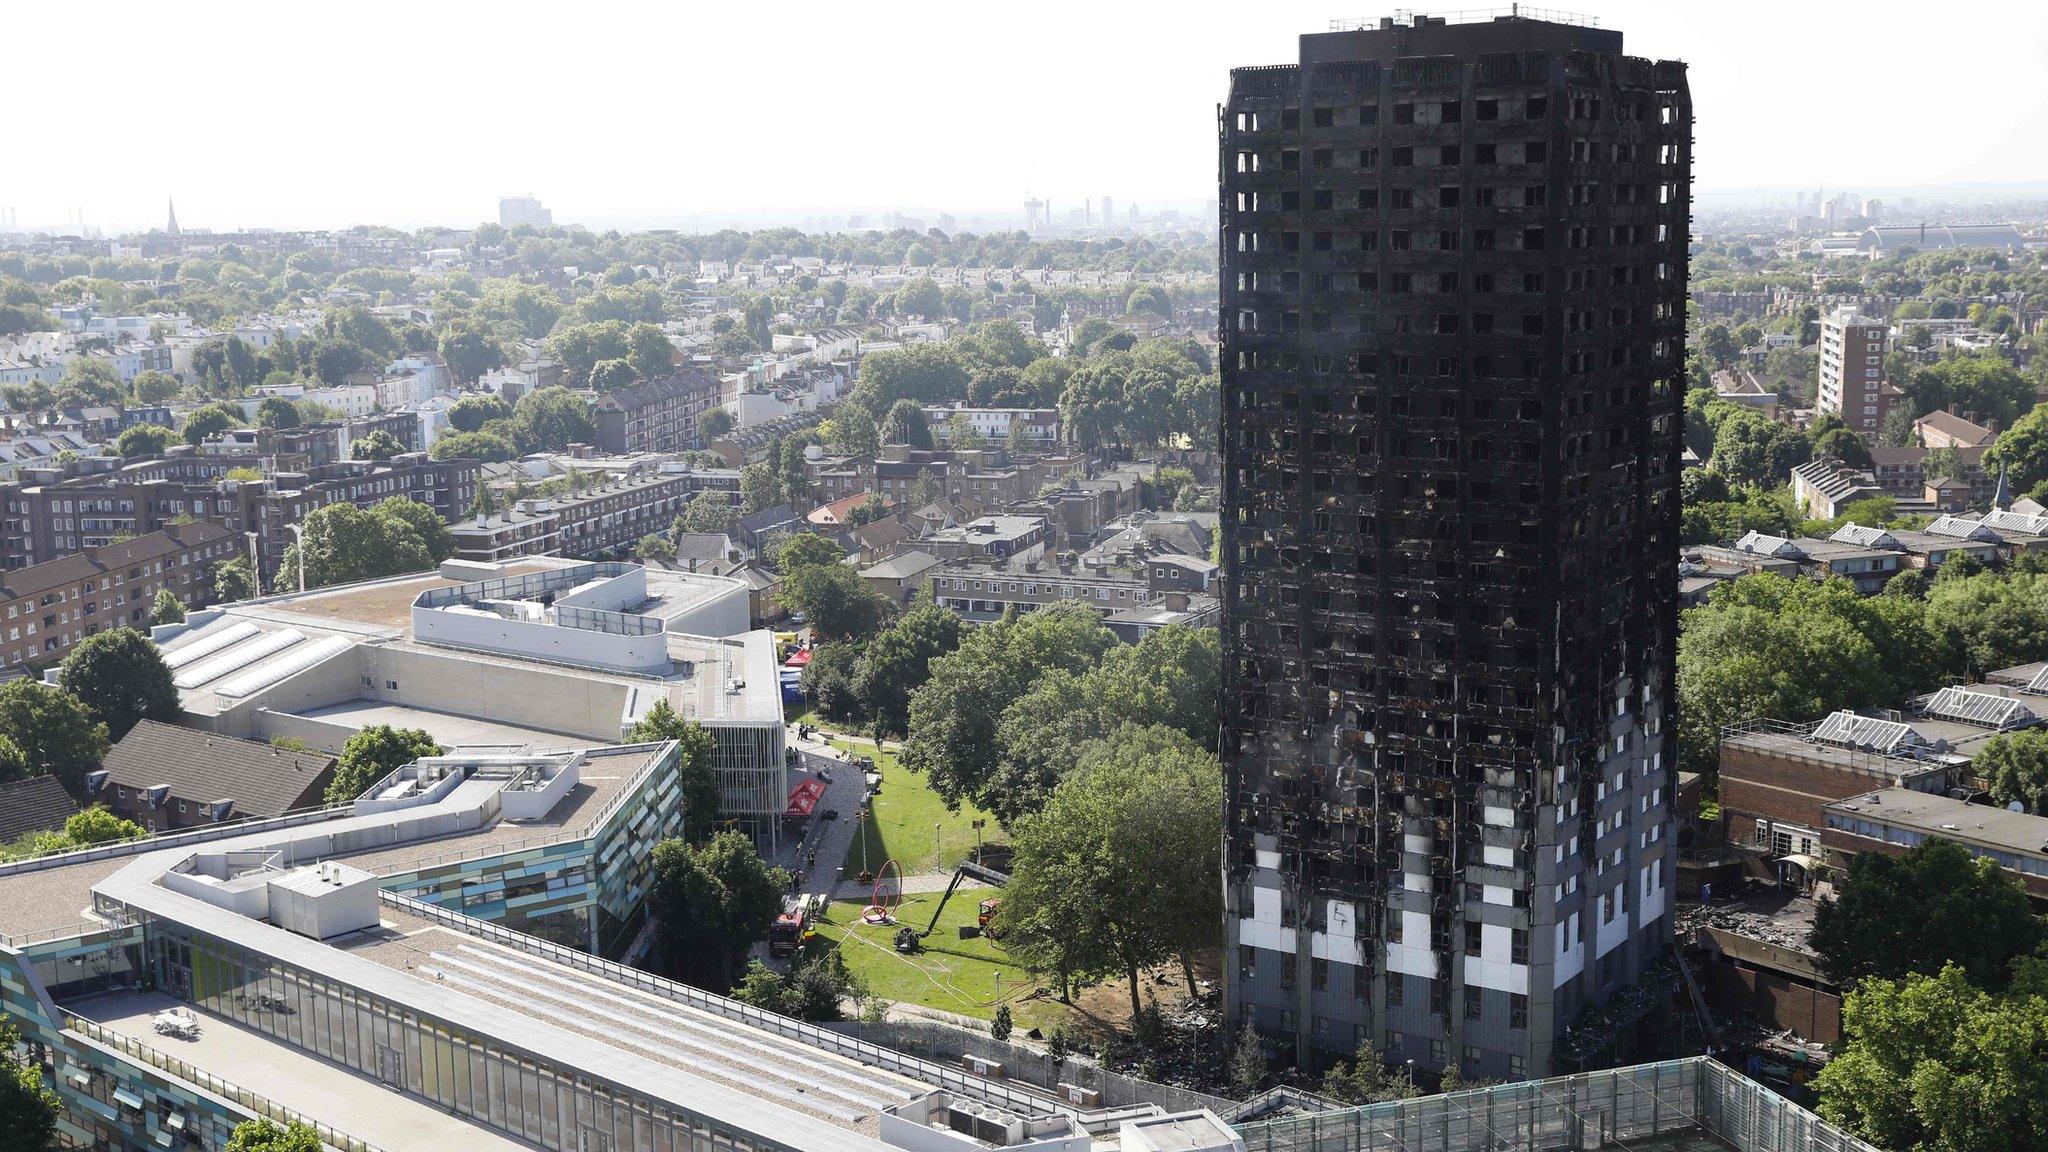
514,211
1453,324
1852,369
1108,212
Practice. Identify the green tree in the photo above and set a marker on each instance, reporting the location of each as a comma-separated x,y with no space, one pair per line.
486,447
1149,298
269,1136
89,381
999,1028
153,387
2022,450
2016,764
610,375
1148,802
835,600
898,660
342,544
423,520
1768,647
378,445
711,904
551,419
905,424
122,678
1247,1062
806,548
1935,905
374,753
760,490
1995,621
138,441
816,989
53,730
925,373
715,423
211,420
828,681
470,348
1172,678
93,826
655,547
694,773
1935,1064
29,1111
954,714
1844,445
707,511
871,508
277,412
476,409
167,608
232,580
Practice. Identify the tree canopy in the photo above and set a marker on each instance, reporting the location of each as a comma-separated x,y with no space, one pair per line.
1118,871
121,676
711,903
374,753
341,543
694,773
52,730
1936,905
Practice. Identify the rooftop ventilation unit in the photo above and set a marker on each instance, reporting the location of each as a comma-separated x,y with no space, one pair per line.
1846,729
1984,708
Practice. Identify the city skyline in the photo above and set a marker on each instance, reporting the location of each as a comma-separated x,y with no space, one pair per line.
694,154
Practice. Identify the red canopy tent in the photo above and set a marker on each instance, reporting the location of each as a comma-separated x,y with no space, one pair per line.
798,658
803,798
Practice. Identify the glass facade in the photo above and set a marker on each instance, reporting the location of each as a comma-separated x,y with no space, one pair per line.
469,1075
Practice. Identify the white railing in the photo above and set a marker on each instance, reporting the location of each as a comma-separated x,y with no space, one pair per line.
259,1106
937,1075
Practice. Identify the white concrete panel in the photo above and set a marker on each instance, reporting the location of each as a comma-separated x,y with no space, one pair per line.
1495,942
1419,845
1339,949
1496,856
1502,977
1261,935
1267,860
1266,905
1413,961
1497,894
1497,816
1610,935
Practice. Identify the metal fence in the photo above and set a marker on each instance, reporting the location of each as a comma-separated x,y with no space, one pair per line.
259,1106
1031,1066
1588,1111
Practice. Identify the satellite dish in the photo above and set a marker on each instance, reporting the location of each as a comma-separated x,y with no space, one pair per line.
2015,806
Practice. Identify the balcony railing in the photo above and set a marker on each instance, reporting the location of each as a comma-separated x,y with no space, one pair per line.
258,1106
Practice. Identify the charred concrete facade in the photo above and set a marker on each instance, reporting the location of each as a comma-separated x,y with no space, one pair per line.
1453,304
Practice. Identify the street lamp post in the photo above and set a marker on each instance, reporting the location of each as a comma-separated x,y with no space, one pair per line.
299,538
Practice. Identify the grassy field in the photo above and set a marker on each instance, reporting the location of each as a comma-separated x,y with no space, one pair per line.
910,822
950,974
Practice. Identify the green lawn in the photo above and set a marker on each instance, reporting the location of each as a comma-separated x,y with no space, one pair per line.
950,974
910,822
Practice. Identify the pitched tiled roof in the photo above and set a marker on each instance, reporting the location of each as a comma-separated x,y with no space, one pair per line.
37,804
658,389
202,767
70,569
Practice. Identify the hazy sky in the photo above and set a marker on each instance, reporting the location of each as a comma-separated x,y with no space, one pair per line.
425,112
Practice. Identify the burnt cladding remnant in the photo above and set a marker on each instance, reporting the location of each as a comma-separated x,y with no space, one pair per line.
1453,305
